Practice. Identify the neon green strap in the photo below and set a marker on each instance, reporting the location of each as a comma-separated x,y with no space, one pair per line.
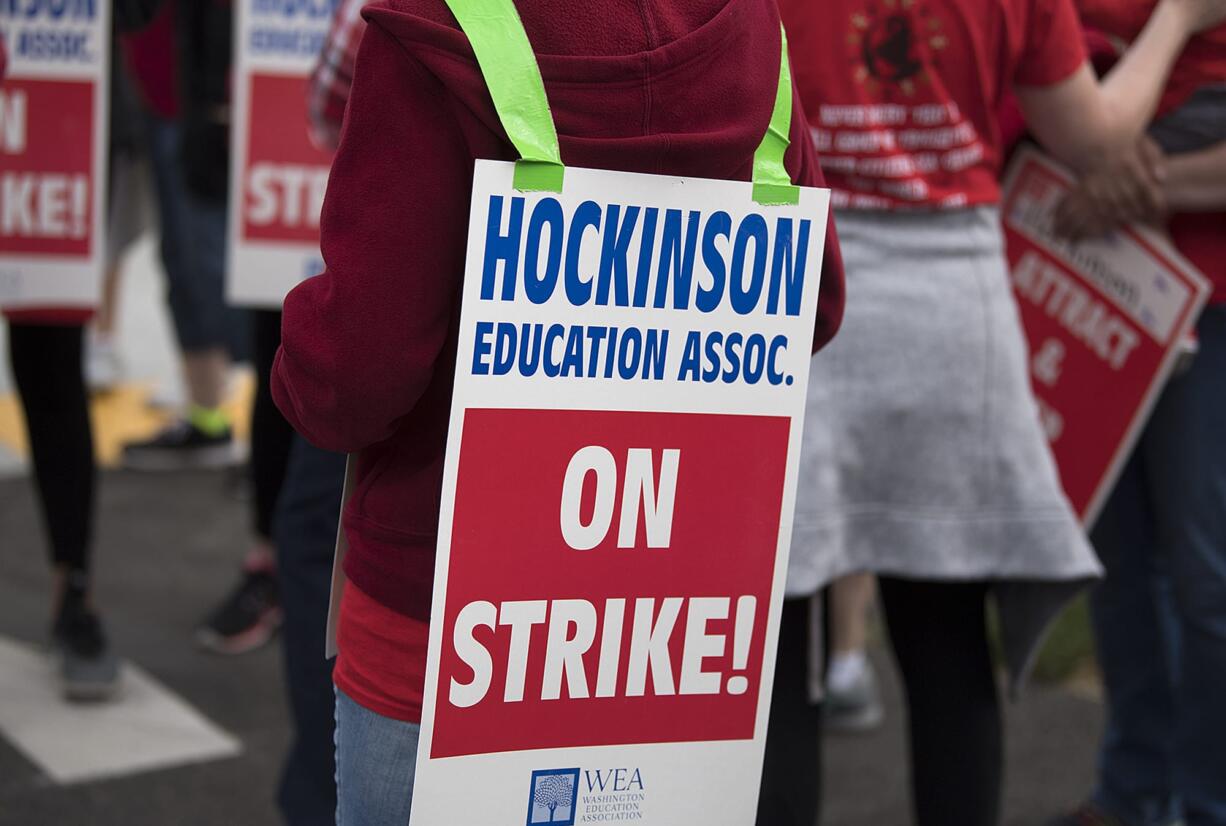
771,183
514,79
509,65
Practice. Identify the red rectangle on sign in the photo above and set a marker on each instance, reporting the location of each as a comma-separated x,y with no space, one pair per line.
286,175
46,167
609,579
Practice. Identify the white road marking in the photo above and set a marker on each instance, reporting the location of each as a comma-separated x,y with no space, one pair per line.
146,727
11,465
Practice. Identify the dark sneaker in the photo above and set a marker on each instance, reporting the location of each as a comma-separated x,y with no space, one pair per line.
89,670
856,708
182,446
247,619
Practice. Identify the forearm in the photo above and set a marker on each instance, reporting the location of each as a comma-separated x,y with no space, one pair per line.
1196,181
1132,90
1085,123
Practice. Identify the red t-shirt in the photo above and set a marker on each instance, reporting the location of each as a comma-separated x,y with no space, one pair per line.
1199,236
903,96
381,660
150,55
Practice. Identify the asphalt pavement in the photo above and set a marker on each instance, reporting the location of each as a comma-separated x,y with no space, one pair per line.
169,546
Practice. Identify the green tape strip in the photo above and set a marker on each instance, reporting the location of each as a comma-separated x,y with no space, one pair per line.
536,176
776,194
771,183
509,66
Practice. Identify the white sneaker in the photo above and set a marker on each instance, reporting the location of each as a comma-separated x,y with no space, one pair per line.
853,706
103,364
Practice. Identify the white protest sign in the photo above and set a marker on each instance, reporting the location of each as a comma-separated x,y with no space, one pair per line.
617,500
277,176
53,134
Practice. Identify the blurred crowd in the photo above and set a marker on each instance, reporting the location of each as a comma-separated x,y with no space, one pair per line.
927,486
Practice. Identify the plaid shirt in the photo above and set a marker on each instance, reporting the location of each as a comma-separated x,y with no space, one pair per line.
332,77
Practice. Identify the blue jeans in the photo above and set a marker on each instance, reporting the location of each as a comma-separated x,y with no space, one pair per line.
193,251
376,757
1160,615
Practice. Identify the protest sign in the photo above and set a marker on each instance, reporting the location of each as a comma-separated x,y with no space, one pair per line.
53,132
278,176
617,500
1106,321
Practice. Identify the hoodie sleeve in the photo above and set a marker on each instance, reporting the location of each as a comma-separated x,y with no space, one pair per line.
360,342
830,297
803,154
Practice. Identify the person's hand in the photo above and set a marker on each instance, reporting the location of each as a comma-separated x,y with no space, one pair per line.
1125,190
1198,15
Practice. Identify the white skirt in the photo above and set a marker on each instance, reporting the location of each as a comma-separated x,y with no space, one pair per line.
923,456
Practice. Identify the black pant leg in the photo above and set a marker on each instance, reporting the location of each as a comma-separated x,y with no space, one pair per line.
271,434
939,635
792,771
305,534
46,361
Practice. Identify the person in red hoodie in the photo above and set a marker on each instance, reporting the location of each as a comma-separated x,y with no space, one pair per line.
368,348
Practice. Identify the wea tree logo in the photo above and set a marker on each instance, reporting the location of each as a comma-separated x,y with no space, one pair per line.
552,797
612,795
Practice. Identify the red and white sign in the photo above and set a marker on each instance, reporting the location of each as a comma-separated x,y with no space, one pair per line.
617,500
278,176
53,132
644,633
1106,321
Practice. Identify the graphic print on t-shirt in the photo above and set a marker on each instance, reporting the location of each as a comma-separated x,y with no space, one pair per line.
892,45
890,151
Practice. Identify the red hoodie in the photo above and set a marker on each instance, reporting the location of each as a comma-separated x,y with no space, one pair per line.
368,348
